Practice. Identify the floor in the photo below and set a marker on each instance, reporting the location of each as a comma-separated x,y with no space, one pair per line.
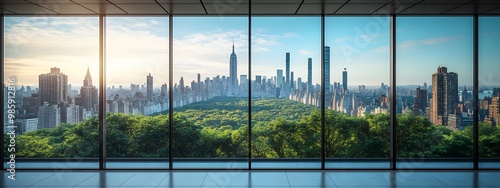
228,178
415,164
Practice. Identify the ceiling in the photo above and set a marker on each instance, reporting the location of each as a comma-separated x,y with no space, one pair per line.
241,7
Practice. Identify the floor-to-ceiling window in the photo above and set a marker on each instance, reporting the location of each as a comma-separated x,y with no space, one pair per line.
434,83
51,92
51,74
357,74
286,92
210,126
137,92
489,92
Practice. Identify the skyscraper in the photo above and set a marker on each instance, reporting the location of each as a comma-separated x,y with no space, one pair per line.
53,87
5,109
258,79
279,78
444,96
327,75
309,75
494,110
88,94
49,116
287,73
344,79
149,87
164,90
181,84
292,84
233,71
420,101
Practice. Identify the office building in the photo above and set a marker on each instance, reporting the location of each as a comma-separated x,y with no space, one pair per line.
233,73
327,74
444,99
344,80
149,87
279,78
49,116
287,74
88,94
420,103
309,75
53,87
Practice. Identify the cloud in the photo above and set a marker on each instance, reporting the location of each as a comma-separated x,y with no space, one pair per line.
261,41
415,43
305,52
430,41
34,44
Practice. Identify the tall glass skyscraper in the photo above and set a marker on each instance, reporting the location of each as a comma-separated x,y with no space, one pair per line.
233,71
344,79
327,74
287,79
149,87
309,75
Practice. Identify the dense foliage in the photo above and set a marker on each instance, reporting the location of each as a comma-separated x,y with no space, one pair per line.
281,128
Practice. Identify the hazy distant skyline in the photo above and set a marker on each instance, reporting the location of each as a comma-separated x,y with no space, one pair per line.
139,45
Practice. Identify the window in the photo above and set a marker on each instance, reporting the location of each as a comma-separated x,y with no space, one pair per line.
51,74
489,92
357,120
137,56
286,92
210,92
434,105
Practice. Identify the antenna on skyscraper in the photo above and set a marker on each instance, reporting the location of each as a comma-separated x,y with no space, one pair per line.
233,44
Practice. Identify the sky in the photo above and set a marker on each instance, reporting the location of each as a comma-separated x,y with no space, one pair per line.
137,46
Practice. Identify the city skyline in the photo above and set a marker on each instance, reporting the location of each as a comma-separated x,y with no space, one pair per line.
266,39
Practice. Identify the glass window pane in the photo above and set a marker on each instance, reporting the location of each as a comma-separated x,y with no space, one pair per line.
137,92
210,93
51,83
434,92
357,117
286,92
489,92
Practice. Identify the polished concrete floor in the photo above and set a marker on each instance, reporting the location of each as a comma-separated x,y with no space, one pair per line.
228,178
414,164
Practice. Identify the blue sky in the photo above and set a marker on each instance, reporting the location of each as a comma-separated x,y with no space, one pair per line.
137,46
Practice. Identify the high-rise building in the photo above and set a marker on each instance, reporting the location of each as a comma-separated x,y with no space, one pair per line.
279,78
327,75
309,75
181,84
258,79
149,87
164,90
5,109
31,104
48,116
496,92
444,99
287,73
494,110
344,79
243,80
292,84
70,113
233,72
420,101
53,87
299,84
88,94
